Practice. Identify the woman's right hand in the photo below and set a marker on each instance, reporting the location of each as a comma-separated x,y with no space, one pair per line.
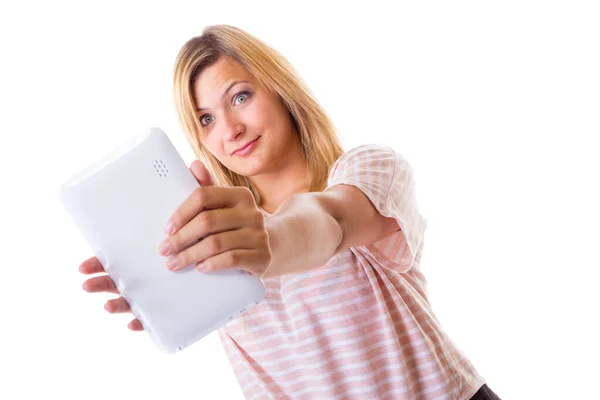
104,283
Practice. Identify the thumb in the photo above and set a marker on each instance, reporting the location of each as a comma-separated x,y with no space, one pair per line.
201,173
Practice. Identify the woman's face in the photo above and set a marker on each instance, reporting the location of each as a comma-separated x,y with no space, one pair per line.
235,111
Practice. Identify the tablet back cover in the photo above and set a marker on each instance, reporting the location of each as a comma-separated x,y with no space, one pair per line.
121,204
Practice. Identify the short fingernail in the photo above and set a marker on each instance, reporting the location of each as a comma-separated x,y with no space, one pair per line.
163,247
170,227
201,267
171,262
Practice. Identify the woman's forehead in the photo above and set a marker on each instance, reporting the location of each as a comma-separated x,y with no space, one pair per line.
224,69
215,79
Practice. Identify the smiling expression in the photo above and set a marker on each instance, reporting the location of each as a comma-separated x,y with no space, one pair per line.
235,110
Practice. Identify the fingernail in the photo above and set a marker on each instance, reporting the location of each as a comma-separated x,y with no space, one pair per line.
171,262
163,247
170,227
201,267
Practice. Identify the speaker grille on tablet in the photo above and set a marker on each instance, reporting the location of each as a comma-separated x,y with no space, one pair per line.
161,168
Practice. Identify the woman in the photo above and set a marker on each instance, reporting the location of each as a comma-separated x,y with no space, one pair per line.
336,237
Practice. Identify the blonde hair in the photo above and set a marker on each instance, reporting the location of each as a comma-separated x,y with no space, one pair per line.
317,133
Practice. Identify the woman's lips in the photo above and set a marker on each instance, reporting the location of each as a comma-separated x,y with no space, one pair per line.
246,149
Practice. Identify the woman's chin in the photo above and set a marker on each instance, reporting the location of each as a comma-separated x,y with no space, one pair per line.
249,169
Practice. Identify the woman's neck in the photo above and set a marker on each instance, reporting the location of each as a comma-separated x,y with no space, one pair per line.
271,204
277,186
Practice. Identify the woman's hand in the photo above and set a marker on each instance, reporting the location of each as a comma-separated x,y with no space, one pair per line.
217,228
104,283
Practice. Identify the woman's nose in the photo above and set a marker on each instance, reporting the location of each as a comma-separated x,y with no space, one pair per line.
232,129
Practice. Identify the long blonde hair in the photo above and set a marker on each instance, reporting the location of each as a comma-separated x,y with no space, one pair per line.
317,133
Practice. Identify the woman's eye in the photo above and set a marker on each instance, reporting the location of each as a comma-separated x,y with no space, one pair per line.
202,119
244,95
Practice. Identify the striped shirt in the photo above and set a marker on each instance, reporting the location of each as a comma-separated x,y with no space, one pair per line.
360,326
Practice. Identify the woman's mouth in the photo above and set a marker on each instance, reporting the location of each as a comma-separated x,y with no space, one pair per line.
246,149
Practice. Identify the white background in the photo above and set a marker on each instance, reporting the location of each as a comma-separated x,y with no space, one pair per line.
496,106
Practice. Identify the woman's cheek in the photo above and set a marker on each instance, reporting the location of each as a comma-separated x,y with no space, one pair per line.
214,150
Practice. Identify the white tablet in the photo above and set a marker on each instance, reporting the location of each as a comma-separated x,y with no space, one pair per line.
120,204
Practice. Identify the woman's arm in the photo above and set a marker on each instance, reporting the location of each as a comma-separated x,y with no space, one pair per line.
310,228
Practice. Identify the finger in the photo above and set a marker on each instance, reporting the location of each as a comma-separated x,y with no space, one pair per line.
201,173
209,198
210,222
243,259
119,305
100,284
91,266
135,325
218,243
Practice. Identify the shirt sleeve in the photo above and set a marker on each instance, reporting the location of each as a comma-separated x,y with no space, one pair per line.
387,179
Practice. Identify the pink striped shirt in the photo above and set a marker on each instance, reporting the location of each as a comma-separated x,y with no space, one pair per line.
360,326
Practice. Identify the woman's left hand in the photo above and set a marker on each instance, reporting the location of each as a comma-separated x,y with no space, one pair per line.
217,228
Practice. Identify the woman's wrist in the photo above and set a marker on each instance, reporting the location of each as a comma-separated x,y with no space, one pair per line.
302,236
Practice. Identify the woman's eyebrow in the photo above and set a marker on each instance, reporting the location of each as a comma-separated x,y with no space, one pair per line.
225,92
